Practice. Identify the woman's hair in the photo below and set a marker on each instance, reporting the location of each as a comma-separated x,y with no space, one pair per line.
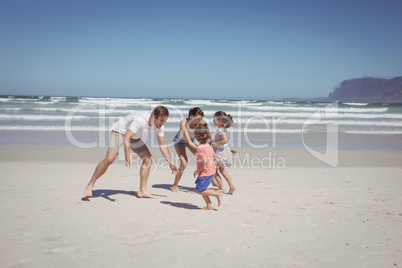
195,111
202,133
227,118
160,111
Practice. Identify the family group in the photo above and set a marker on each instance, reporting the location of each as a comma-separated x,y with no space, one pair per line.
212,152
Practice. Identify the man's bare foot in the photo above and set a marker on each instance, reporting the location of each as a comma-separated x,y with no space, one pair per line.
208,207
220,197
174,189
231,190
145,195
88,191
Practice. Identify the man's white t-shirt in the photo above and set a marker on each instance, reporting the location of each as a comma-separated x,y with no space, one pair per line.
137,122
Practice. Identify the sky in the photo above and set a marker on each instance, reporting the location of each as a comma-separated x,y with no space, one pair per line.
209,49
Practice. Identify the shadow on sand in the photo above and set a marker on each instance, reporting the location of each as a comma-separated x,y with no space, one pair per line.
180,205
107,193
169,186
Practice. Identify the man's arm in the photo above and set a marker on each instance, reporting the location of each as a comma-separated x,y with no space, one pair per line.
165,152
126,145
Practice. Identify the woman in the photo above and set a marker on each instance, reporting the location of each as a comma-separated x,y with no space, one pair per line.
185,138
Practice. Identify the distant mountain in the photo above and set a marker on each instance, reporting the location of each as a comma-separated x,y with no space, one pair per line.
368,89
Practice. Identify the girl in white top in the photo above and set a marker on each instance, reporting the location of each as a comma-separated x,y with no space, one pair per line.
185,138
222,149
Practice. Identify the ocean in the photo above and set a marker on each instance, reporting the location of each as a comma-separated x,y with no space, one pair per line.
85,121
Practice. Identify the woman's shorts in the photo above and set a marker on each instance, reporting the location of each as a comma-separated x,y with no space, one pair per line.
202,183
116,141
182,142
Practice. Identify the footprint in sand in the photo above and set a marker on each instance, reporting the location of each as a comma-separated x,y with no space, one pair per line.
27,233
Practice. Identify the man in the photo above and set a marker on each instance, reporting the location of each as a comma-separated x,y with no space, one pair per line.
128,132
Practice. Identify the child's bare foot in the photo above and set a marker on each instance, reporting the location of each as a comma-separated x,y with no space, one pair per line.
208,207
88,191
231,190
174,189
220,197
145,194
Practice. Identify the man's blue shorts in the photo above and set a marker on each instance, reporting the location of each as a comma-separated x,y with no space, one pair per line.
202,183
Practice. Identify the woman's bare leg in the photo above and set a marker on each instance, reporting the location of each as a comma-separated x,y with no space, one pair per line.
181,152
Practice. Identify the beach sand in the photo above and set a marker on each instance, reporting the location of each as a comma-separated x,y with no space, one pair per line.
289,210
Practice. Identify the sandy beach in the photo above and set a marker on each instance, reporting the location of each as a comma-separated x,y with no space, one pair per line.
308,92
289,210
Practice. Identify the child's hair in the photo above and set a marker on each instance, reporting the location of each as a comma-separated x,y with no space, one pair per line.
227,118
202,133
195,111
160,111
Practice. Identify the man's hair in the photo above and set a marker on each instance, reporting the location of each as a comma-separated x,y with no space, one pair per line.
160,111
202,133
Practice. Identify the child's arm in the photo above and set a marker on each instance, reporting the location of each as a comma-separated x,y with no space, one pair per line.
202,166
211,138
221,142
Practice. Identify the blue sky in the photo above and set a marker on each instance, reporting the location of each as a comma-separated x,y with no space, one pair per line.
195,49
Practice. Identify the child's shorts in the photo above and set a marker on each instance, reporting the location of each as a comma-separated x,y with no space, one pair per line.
202,183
